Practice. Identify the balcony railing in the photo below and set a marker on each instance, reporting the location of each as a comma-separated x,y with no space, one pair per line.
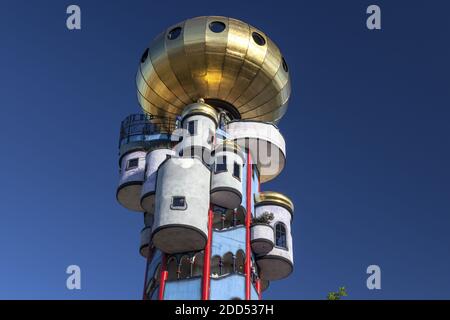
137,127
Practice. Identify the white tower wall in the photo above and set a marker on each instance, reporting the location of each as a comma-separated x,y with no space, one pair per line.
132,167
279,262
153,161
182,204
226,188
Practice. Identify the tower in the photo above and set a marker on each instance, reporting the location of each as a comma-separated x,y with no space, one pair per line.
212,90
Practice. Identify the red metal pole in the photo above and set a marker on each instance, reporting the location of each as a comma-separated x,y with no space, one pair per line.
258,288
207,258
162,278
248,220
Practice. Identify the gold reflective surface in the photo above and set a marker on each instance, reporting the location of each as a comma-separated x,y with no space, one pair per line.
200,108
272,197
227,65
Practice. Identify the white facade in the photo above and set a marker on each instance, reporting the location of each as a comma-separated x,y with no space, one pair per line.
277,263
265,143
153,161
182,205
198,132
132,167
262,238
226,181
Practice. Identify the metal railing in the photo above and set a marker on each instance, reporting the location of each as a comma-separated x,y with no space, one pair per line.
136,127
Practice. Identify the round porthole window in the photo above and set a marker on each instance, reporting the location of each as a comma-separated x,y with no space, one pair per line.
144,56
259,39
174,33
217,26
285,66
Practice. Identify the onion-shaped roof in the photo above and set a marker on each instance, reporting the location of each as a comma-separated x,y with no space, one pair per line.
227,62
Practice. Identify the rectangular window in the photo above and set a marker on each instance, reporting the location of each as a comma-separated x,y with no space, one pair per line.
132,163
192,127
178,203
237,171
221,164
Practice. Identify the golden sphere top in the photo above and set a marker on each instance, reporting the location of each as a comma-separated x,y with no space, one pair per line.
228,63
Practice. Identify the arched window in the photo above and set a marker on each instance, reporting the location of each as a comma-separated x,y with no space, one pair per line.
239,262
184,268
280,235
172,269
215,266
197,267
227,266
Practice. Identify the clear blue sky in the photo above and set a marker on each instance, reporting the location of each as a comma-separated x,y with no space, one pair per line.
367,135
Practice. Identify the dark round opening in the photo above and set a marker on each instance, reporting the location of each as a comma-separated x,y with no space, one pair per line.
144,56
285,66
259,39
174,33
228,107
217,26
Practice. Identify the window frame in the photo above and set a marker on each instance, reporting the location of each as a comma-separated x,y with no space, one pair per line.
281,224
174,207
194,127
224,163
236,165
128,167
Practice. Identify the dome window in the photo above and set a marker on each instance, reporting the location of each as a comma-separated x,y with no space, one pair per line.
285,66
259,39
174,33
217,26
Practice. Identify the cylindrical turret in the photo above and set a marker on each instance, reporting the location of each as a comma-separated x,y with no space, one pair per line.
277,263
262,238
265,144
146,234
132,167
153,161
199,123
139,133
182,204
226,181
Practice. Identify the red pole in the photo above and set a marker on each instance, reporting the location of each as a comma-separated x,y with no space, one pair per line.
207,258
258,288
162,278
248,220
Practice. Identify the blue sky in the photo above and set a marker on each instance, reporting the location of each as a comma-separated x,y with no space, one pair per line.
367,135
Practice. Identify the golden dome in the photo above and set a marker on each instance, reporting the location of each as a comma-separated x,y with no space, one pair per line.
276,198
230,64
